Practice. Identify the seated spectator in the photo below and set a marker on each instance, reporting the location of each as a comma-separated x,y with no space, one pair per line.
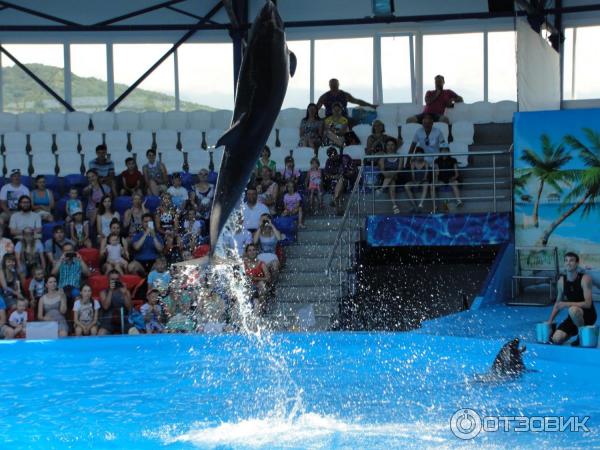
80,231
106,214
446,172
202,195
155,174
153,313
6,331
311,129
336,95
131,178
436,102
10,281
335,127
112,300
173,248
115,254
292,203
54,246
289,172
389,167
133,216
147,246
192,231
69,268
237,242
159,277
73,204
179,194
259,275
339,174
428,138
18,319
94,192
267,190
115,230
30,254
167,216
25,218
420,177
52,306
37,287
264,161
42,199
85,313
104,168
6,245
314,185
252,210
266,238
10,194
377,139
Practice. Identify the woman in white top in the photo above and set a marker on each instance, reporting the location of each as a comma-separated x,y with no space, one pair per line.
106,214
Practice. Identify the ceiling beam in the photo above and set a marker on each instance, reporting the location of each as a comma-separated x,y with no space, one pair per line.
139,12
37,13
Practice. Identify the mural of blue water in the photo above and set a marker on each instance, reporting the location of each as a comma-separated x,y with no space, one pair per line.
438,230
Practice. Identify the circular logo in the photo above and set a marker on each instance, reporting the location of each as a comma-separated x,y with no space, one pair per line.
465,424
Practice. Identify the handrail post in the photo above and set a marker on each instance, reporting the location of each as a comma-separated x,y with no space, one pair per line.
494,178
433,188
372,189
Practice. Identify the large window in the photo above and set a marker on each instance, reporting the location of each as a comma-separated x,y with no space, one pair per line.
396,69
88,77
155,93
580,63
502,66
459,57
298,91
20,92
205,76
348,60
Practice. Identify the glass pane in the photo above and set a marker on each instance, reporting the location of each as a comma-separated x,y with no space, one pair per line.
395,69
157,92
88,77
459,58
298,91
20,92
348,60
586,65
205,76
568,64
502,66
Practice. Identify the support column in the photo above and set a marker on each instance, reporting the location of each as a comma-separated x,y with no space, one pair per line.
110,74
419,68
67,73
377,81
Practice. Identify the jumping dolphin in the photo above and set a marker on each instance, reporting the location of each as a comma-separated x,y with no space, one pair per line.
507,365
262,84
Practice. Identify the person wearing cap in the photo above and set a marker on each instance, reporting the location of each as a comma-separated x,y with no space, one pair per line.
104,167
25,218
10,195
446,172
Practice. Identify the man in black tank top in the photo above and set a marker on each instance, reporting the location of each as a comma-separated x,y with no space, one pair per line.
576,288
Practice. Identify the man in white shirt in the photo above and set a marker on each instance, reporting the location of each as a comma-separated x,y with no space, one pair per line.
428,138
252,210
10,194
25,218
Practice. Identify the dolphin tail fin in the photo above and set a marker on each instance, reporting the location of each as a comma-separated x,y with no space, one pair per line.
231,136
293,64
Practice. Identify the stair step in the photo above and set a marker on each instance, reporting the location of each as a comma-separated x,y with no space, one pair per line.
307,251
289,294
291,309
317,237
291,277
304,264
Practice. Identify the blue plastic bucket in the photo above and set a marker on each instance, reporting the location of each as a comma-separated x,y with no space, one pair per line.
543,332
588,336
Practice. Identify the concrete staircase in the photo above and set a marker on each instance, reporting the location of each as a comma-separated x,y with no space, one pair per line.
303,281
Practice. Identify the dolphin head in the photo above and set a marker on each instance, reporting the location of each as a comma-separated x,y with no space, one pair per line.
270,15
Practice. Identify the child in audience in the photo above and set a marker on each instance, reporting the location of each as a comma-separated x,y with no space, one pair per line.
152,313
179,194
193,230
292,203
73,204
131,178
314,185
37,287
159,277
80,230
289,172
155,174
116,254
18,318
85,313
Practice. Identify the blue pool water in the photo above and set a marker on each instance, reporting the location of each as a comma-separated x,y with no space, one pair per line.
332,390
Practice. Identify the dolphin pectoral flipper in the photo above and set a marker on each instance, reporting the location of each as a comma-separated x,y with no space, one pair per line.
231,136
293,63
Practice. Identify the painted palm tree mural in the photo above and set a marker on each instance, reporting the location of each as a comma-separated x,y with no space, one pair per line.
586,189
546,167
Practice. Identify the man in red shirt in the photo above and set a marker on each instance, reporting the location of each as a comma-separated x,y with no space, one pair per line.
436,102
131,179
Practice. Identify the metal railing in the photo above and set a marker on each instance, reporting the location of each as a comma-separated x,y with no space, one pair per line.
366,195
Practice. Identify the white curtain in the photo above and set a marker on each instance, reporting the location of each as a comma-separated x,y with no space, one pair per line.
538,71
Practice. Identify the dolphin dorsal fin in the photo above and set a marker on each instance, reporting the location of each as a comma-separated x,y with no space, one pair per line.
293,63
231,136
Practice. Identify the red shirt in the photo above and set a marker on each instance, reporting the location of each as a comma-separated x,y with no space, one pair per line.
131,179
438,106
